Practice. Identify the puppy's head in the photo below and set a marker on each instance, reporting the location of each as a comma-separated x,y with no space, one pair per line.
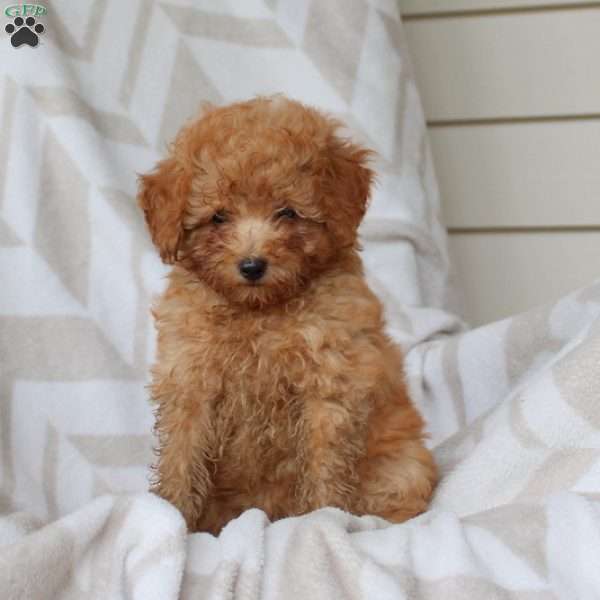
257,198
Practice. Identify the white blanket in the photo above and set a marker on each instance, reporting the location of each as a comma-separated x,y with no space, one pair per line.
513,408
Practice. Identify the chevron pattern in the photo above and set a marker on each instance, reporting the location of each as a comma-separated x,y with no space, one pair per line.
97,102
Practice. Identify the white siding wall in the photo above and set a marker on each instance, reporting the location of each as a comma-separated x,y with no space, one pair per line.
511,92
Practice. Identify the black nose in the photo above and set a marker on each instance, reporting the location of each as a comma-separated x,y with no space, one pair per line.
253,268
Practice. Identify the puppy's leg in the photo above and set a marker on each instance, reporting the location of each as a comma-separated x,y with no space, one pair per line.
335,440
185,442
398,474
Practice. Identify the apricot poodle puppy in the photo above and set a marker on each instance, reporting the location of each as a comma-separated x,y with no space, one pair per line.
275,384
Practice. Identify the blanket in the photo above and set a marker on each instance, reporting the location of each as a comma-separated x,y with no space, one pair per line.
91,92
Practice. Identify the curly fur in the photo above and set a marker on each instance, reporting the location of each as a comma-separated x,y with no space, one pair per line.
284,393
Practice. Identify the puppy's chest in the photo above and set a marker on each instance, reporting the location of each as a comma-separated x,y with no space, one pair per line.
258,414
272,358
260,373
266,372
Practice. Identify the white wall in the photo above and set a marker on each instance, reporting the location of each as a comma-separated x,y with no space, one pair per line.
511,92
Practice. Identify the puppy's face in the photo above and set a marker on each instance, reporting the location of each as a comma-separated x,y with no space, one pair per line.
257,199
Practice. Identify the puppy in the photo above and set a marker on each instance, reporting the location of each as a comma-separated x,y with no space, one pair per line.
275,384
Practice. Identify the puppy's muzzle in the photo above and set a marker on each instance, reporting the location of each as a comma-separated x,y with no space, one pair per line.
252,269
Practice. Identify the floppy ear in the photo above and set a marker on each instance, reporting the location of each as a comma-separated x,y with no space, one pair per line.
163,195
346,183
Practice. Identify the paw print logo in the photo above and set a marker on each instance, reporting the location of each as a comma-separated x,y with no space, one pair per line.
24,32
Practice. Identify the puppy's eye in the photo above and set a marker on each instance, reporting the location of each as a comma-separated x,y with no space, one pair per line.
286,213
219,217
